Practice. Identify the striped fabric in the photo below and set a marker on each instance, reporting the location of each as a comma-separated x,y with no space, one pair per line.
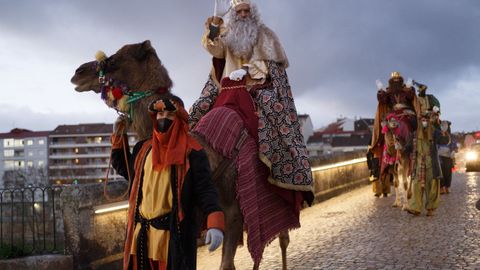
265,213
220,128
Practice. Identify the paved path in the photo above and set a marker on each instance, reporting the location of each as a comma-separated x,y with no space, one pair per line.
359,231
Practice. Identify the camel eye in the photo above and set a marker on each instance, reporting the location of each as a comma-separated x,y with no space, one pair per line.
111,63
80,70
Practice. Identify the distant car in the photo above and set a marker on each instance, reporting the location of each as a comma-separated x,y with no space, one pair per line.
472,158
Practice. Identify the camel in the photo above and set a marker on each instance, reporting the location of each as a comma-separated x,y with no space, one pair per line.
137,68
401,169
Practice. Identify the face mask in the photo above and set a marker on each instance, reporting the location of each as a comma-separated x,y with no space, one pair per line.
444,128
424,124
163,124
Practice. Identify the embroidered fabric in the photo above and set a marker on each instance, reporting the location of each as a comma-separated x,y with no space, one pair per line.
281,145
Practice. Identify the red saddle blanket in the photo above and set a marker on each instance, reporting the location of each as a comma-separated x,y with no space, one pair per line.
265,213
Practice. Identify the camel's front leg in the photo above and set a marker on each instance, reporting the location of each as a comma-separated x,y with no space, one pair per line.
233,234
398,195
284,240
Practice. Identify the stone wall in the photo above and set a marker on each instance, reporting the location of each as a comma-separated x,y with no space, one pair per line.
94,240
333,181
44,262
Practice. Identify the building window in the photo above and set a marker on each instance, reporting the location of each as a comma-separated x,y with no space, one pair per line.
20,164
19,153
41,141
41,163
30,153
30,142
18,143
8,164
30,164
8,153
76,150
98,139
77,161
40,152
8,143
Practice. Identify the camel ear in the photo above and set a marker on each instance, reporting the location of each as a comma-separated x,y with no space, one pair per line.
146,44
144,50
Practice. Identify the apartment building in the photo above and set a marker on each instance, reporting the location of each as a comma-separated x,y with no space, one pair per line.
23,157
344,135
79,154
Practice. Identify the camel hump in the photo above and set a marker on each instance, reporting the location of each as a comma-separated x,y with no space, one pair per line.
221,128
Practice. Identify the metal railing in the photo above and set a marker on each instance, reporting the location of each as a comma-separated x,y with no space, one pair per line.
30,221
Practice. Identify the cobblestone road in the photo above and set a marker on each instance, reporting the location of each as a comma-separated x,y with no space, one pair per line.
358,231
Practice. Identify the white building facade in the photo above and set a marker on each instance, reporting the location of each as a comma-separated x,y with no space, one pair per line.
80,154
23,157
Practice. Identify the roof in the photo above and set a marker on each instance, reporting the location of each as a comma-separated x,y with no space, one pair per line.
358,140
303,116
94,128
335,127
20,133
347,135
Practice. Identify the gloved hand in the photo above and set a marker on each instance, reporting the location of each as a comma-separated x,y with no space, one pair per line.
409,83
215,236
221,7
379,85
237,75
120,126
214,31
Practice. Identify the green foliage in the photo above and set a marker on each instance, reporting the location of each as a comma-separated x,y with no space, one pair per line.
9,252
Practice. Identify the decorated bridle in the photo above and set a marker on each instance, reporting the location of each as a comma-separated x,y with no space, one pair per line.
118,96
115,93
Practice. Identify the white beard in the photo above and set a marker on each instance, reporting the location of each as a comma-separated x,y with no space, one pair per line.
242,34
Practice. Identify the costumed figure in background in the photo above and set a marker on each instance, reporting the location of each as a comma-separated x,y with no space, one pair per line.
427,173
394,126
447,147
171,178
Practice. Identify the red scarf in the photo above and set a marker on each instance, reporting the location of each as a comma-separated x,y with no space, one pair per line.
173,148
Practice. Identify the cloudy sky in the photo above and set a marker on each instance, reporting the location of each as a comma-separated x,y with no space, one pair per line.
337,49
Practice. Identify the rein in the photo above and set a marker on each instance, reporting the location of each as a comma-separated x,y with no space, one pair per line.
130,180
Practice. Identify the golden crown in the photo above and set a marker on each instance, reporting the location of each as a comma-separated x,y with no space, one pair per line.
235,3
395,74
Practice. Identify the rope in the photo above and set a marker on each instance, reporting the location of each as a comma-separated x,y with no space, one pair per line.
133,97
105,184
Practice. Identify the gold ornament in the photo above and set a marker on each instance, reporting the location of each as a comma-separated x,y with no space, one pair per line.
100,56
395,75
235,3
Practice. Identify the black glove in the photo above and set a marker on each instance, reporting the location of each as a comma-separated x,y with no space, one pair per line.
214,31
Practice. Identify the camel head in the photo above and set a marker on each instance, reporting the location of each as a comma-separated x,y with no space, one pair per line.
127,81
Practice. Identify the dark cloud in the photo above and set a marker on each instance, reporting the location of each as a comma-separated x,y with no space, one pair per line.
337,49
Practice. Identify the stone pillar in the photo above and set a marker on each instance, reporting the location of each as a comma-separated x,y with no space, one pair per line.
94,240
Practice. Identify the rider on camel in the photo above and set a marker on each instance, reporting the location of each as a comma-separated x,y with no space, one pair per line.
396,109
249,76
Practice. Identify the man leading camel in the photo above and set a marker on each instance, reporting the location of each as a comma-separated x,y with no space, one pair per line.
247,55
171,177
